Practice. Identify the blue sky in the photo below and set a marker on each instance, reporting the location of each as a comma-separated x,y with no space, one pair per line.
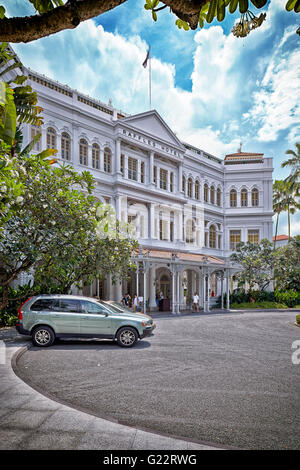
212,89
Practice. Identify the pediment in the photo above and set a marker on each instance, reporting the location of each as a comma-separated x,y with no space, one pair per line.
152,124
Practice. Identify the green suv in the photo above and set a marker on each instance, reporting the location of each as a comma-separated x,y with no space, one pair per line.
46,317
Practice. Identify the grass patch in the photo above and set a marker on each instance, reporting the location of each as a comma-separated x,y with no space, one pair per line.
258,305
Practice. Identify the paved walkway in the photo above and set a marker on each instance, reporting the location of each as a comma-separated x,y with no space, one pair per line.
29,420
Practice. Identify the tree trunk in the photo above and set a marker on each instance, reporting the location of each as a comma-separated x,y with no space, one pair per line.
276,230
4,300
289,221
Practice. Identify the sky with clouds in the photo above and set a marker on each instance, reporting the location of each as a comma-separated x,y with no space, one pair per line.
212,89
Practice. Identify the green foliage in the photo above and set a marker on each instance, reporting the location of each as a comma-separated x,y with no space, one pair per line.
51,225
298,319
258,305
9,315
293,5
8,114
203,14
291,298
54,230
217,9
257,263
293,162
25,100
182,24
42,6
287,265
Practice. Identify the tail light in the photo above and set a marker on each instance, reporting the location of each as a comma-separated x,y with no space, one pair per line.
20,316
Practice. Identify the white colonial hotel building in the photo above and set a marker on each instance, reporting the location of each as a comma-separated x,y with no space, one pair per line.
189,208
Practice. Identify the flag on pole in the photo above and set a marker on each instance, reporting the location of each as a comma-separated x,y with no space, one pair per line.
147,58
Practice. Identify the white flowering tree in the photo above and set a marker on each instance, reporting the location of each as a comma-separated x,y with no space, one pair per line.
54,232
50,223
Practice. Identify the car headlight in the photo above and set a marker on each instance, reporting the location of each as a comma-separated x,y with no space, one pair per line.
146,323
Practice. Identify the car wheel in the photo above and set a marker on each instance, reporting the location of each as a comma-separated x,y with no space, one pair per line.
43,336
127,337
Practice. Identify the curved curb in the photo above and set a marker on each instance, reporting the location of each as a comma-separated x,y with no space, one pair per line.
141,438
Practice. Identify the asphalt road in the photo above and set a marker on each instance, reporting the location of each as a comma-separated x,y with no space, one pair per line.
226,379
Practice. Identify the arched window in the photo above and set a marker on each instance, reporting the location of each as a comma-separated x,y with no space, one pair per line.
96,156
197,190
233,198
83,152
219,197
212,195
254,197
107,160
65,146
190,187
51,138
212,236
35,130
205,193
183,184
244,197
189,231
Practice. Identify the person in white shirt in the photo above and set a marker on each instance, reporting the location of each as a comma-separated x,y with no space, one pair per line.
195,302
135,302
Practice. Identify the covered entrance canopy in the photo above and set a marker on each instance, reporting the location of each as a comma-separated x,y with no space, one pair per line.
190,272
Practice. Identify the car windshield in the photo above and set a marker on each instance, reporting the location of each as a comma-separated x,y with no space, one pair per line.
111,307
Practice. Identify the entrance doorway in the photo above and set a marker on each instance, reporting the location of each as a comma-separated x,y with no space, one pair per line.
165,287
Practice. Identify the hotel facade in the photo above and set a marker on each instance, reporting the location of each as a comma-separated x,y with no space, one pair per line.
188,208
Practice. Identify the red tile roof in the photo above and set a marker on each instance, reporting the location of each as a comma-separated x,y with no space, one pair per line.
281,237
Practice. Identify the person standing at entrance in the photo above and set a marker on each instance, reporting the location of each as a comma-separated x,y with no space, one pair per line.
135,302
195,302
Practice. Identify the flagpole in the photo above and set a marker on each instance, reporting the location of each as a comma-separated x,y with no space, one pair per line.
149,78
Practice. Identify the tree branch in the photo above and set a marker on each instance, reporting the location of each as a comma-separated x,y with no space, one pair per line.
68,16
29,28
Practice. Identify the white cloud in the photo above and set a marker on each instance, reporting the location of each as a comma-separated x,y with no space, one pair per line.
106,65
275,106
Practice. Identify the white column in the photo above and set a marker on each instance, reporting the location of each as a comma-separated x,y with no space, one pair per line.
157,176
75,144
181,234
151,165
151,220
101,159
137,281
180,177
117,207
222,291
145,291
118,290
204,289
178,293
228,290
199,291
152,299
125,166
118,157
181,292
173,291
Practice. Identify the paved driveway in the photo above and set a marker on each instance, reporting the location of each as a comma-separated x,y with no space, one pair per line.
226,379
